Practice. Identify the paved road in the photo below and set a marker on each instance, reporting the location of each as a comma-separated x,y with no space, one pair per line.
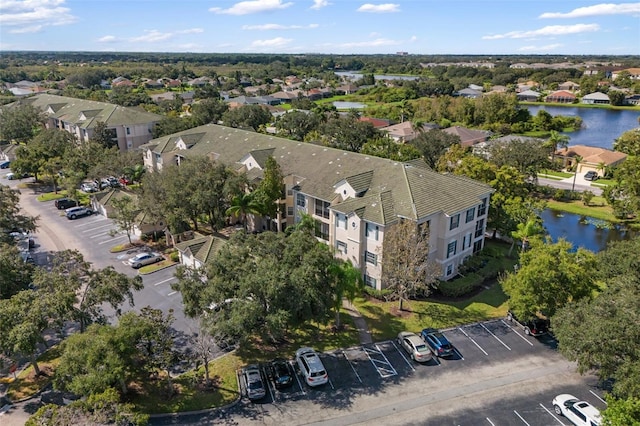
581,185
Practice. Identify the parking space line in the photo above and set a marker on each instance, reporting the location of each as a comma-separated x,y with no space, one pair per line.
551,414
113,239
474,342
598,396
388,372
102,234
164,281
458,352
402,355
331,383
352,367
490,422
520,417
516,331
172,293
297,378
97,227
497,338
266,379
93,222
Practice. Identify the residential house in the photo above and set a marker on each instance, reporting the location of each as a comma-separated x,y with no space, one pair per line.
406,131
561,96
632,100
354,198
593,158
122,82
569,85
634,73
468,137
130,127
469,93
377,123
528,96
483,149
596,98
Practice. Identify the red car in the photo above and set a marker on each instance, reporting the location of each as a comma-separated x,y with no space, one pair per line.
125,181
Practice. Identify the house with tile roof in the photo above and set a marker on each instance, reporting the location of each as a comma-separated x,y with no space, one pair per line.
130,127
561,96
593,158
353,198
198,251
406,131
468,137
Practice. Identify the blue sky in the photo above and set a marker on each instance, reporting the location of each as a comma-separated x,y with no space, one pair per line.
488,27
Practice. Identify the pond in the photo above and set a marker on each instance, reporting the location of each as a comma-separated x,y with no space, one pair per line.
581,231
600,127
348,105
352,75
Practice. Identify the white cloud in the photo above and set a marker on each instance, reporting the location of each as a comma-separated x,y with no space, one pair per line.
319,4
541,49
34,15
25,30
251,6
379,8
107,39
154,36
269,27
271,43
597,10
548,31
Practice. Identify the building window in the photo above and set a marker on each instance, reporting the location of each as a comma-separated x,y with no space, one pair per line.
454,222
482,208
471,214
342,247
289,211
479,228
341,221
289,192
370,281
477,246
128,131
449,269
322,230
451,249
322,209
371,231
469,238
300,200
371,258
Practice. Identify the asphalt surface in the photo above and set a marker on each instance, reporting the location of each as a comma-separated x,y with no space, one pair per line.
498,375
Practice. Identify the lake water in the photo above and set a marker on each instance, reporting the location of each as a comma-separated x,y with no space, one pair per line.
600,126
357,76
583,231
348,105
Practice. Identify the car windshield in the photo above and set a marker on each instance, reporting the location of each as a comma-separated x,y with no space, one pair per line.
421,348
255,384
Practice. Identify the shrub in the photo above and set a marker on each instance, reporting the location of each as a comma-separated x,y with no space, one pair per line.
378,294
174,256
560,194
461,286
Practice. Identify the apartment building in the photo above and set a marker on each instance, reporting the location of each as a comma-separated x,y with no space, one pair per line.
354,198
129,127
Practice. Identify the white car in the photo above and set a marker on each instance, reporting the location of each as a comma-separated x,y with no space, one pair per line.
580,413
142,259
311,367
253,382
89,187
415,346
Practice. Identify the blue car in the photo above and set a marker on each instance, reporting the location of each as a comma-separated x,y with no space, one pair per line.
437,341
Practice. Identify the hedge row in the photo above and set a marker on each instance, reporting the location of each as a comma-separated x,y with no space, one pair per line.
471,281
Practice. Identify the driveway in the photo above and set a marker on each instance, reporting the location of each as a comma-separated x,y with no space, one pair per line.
581,185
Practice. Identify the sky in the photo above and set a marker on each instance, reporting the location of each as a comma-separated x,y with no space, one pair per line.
427,27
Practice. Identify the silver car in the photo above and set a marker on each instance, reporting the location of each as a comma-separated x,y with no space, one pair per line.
414,346
142,259
253,382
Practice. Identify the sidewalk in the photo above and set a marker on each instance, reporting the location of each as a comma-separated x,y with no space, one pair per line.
359,321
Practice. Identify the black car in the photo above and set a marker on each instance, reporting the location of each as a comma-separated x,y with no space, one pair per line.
281,373
533,326
591,175
65,203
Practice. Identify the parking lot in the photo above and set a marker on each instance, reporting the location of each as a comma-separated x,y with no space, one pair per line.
384,368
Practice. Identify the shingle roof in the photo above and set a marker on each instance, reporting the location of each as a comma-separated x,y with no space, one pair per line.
72,110
202,248
593,154
415,189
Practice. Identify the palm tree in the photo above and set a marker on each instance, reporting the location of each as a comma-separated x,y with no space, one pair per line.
556,140
576,161
243,205
525,231
601,167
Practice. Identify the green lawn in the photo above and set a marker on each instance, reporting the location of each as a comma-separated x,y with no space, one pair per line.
597,210
553,174
385,321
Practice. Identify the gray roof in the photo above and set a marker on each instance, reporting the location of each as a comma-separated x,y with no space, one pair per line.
85,113
202,248
416,190
598,96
